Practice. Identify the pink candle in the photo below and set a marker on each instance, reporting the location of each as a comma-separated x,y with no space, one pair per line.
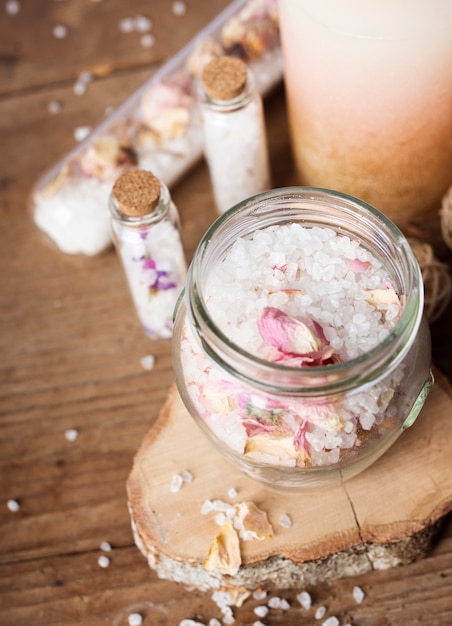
369,88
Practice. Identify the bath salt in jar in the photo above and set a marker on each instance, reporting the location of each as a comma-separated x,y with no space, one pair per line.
300,346
146,234
234,134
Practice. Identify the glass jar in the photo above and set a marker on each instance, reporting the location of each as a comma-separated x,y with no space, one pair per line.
369,93
300,346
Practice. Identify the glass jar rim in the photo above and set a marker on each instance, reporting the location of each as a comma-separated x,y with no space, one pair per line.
256,212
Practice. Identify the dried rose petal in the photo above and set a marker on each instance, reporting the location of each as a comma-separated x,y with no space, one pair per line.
224,554
287,334
254,520
356,265
382,296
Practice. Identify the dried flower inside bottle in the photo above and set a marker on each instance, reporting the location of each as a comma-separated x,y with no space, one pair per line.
146,234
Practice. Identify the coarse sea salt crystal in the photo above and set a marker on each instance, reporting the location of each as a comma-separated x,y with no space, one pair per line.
331,621
179,7
304,598
135,619
60,31
358,594
214,622
147,362
12,7
232,493
285,521
105,546
176,483
13,505
147,40
261,611
320,612
103,561
82,132
54,107
71,434
259,595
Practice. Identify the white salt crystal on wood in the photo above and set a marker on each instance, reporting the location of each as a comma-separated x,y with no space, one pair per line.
261,611
13,505
103,561
105,546
331,621
176,483
358,594
135,619
285,521
12,7
147,362
320,612
304,598
60,31
71,434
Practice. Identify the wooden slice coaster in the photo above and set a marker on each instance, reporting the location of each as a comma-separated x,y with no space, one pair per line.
386,516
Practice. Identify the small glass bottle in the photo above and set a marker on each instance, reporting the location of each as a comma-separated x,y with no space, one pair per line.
235,142
300,346
145,224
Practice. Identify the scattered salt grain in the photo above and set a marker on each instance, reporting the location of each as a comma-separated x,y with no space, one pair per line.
232,493
135,619
320,612
187,476
82,82
176,483
190,622
258,623
54,107
259,595
147,40
103,561
60,31
126,25
12,7
105,546
278,603
142,24
228,618
214,622
179,7
81,132
261,611
358,594
13,505
305,600
331,621
147,362
71,434
285,521
207,507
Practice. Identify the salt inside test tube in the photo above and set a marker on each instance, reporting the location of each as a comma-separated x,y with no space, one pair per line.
145,224
235,142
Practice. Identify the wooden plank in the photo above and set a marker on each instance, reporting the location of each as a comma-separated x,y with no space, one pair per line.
94,42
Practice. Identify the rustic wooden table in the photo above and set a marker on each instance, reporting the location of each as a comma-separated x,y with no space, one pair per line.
71,348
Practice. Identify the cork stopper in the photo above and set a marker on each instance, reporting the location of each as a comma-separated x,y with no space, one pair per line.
224,78
136,192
